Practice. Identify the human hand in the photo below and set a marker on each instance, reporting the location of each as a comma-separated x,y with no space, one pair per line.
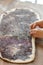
37,32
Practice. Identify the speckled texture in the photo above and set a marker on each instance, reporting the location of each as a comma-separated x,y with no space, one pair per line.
15,48
39,52
16,24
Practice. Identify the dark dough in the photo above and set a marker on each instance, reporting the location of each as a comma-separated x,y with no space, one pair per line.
19,45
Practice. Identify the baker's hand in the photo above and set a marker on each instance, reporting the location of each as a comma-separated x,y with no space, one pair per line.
35,32
37,23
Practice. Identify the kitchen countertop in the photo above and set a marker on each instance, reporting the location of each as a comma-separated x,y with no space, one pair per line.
39,45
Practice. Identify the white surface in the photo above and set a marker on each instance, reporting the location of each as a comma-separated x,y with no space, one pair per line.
33,1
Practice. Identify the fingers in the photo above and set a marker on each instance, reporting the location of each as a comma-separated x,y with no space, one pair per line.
37,23
36,33
33,25
33,33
